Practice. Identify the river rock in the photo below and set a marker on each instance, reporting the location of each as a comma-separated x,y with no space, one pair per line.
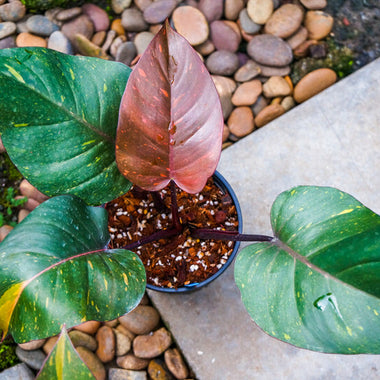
142,40
247,24
92,362
142,4
157,370
284,21
260,10
232,8
41,25
80,25
79,338
297,38
212,9
12,11
314,4
34,359
141,320
260,104
268,114
313,83
222,62
158,11
6,43
32,345
30,40
116,42
59,42
4,231
97,15
99,37
7,28
125,331
225,87
123,374
288,103
131,361
241,122
206,48
106,344
224,37
126,53
49,344
319,24
247,93
118,27
151,346
123,343
226,132
247,72
176,364
68,14
118,6
132,20
270,50
30,191
276,86
191,24
88,48
22,214
18,372
89,327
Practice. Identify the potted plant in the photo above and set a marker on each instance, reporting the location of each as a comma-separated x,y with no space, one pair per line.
88,129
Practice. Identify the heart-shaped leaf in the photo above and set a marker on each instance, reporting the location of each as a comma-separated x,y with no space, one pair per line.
58,121
317,285
171,123
54,270
64,362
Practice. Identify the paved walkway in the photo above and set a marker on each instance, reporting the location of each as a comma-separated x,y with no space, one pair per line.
332,140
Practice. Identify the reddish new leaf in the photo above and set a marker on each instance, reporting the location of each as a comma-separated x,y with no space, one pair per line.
170,122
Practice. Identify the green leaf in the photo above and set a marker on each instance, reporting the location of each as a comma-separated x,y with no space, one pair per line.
64,362
54,269
59,116
317,285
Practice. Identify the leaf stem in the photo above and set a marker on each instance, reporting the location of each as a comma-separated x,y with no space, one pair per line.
174,207
164,234
204,233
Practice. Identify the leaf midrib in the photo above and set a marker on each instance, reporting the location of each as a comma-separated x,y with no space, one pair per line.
63,109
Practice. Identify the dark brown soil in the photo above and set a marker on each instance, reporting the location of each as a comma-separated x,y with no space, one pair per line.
179,260
357,26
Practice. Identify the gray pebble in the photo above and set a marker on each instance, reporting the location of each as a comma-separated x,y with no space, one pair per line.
126,53
118,6
59,42
120,374
142,40
247,24
34,359
7,28
222,62
270,50
116,44
41,26
8,42
18,372
132,20
158,11
68,14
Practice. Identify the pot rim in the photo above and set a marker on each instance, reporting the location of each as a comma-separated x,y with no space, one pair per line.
223,183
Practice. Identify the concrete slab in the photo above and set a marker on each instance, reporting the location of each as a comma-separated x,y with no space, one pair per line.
331,140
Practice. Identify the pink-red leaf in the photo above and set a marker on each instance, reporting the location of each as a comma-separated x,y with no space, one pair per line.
170,122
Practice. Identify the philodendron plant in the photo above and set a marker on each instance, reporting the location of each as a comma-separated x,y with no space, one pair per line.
82,130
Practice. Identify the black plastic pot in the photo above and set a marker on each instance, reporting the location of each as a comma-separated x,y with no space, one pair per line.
221,182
